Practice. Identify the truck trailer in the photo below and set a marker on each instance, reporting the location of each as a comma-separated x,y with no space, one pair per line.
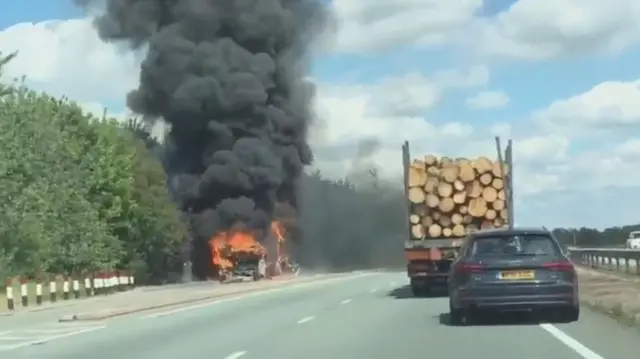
447,199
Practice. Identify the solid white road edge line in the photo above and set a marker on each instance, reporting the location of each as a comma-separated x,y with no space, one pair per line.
255,294
567,340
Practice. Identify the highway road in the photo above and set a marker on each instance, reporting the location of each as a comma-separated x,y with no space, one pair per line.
363,316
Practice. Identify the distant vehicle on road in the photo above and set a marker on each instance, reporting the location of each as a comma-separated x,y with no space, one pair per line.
519,269
633,242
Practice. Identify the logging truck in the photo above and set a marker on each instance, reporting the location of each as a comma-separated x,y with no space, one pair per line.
447,199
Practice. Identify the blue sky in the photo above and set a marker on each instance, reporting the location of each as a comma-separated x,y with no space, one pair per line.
531,84
34,11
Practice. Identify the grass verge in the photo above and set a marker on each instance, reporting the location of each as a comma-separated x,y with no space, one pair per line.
614,295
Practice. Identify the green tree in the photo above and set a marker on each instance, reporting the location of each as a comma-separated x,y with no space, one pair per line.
3,61
48,222
158,233
79,192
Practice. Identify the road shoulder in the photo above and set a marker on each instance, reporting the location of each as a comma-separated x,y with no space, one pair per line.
614,295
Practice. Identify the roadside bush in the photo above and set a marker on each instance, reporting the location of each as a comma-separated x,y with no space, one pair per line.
79,193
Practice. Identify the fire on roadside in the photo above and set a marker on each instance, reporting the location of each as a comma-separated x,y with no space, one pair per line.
228,246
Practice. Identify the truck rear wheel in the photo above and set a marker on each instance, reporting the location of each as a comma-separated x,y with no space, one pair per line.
457,317
419,288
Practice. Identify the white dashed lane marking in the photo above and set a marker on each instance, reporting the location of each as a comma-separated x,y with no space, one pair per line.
236,355
346,301
304,320
23,337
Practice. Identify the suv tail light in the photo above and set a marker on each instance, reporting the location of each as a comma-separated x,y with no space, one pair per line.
561,266
468,268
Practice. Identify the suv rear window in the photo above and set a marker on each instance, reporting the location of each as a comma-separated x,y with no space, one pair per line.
509,245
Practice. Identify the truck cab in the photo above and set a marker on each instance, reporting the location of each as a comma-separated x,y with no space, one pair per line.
633,242
238,255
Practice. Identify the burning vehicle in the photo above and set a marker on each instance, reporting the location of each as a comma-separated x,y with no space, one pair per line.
239,255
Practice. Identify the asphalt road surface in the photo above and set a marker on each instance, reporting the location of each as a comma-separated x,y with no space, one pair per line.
365,316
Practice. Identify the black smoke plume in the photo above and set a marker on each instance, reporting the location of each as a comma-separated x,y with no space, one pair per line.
228,76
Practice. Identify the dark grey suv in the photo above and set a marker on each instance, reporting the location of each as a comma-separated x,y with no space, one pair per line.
512,270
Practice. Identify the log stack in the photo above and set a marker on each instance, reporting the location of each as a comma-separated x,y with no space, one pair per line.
450,197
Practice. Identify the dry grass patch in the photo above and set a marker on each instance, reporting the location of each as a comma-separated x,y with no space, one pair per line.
614,295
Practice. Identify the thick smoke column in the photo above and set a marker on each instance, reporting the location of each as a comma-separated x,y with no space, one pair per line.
229,77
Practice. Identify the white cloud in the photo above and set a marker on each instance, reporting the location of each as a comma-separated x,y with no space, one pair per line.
477,75
353,116
607,106
543,29
551,169
528,29
408,94
385,112
629,149
488,100
98,109
543,148
377,25
64,57
501,129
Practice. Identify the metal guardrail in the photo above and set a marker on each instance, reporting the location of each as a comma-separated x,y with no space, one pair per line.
615,259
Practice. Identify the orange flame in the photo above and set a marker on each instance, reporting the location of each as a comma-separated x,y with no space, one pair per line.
278,230
227,246
218,244
244,242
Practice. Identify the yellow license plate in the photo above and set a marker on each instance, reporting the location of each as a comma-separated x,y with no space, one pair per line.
515,275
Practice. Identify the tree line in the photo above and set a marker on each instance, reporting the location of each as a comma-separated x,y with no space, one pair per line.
81,193
590,237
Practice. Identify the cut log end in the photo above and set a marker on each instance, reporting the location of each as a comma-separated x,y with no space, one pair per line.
450,197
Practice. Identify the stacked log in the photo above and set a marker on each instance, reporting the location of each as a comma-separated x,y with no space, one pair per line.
451,197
